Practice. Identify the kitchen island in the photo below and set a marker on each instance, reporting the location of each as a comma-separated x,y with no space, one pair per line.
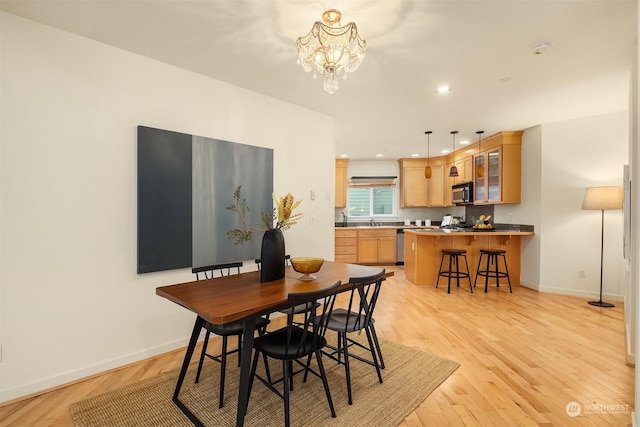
423,249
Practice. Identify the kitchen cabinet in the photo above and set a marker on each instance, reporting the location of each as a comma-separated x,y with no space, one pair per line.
501,159
341,183
465,170
377,246
346,245
415,189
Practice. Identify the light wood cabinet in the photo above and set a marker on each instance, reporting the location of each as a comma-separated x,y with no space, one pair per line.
377,246
346,246
501,159
465,170
415,189
341,183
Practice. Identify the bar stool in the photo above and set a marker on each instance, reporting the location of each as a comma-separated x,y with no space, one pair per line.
454,260
492,256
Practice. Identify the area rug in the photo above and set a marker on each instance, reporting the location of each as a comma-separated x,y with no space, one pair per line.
409,377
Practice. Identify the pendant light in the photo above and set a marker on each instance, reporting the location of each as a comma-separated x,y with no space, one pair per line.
427,169
480,167
453,172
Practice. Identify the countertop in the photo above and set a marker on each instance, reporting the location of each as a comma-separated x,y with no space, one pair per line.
493,232
387,227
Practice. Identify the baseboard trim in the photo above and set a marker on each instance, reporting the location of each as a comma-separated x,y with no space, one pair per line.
60,381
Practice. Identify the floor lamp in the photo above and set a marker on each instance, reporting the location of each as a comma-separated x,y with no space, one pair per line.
601,198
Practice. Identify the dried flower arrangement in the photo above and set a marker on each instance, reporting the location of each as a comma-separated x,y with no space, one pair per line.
282,215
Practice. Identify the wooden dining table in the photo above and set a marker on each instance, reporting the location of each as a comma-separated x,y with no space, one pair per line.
243,297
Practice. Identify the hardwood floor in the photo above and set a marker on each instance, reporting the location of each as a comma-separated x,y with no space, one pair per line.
524,357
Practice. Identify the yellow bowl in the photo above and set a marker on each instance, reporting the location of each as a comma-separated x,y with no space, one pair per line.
307,265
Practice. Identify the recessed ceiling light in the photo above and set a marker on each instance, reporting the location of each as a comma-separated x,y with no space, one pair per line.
343,155
465,142
379,155
444,151
415,155
444,89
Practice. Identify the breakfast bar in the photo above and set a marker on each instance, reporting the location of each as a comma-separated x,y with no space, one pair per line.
423,249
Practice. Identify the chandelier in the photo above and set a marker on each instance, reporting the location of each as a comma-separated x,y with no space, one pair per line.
331,50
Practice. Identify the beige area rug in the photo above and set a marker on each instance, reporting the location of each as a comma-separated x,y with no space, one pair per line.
409,377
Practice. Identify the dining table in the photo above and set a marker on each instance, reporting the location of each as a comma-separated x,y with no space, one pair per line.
243,297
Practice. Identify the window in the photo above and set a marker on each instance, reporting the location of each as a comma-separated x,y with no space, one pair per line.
371,202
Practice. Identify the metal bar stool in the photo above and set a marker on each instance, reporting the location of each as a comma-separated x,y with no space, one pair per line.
492,256
454,261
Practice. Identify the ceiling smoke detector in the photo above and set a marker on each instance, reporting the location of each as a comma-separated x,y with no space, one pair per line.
541,48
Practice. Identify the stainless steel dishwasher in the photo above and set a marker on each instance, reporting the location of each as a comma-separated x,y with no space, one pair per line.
400,247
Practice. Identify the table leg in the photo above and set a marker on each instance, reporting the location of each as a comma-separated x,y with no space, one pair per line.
245,369
183,372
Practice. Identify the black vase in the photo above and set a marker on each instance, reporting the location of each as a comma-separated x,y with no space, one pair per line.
272,256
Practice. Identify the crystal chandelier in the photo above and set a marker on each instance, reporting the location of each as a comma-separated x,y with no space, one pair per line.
331,50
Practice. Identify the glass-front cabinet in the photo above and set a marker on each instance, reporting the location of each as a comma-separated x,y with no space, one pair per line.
480,181
494,175
488,188
500,160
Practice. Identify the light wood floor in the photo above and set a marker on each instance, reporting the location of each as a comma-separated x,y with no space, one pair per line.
524,357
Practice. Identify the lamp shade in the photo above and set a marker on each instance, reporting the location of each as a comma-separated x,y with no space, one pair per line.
602,198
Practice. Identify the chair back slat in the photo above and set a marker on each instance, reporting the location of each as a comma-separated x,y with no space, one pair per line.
304,337
208,270
362,300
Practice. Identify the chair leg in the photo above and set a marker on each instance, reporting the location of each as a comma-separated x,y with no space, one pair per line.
285,384
449,278
439,271
377,343
486,277
506,269
204,351
347,370
468,273
239,349
373,354
223,371
323,375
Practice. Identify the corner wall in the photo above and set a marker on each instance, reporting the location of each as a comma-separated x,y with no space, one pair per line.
71,302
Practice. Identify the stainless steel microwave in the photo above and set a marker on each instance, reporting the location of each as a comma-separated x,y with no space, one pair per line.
462,194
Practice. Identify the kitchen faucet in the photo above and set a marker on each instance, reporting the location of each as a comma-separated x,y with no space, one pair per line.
372,223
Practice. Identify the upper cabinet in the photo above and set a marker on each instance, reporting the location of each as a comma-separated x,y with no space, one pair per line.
341,183
418,191
501,160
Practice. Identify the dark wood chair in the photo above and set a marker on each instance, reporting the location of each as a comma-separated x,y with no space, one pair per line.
296,342
226,330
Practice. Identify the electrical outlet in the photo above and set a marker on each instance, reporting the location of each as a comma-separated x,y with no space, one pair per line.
581,274
312,195
312,219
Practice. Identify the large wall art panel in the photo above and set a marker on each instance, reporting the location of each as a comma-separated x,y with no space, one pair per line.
164,200
219,167
185,184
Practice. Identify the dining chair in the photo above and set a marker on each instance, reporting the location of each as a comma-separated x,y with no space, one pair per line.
357,317
225,331
296,342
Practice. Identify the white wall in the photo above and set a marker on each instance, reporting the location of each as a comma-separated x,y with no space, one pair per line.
529,211
71,301
580,153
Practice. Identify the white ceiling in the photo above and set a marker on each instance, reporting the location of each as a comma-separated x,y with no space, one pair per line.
482,49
